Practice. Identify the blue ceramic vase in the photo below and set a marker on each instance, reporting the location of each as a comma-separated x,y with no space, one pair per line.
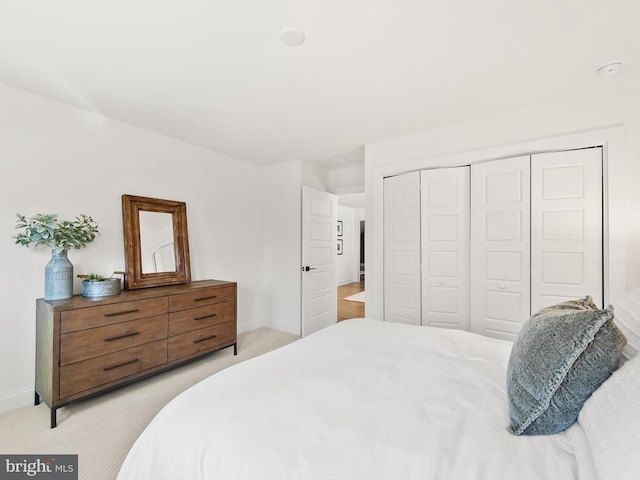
58,279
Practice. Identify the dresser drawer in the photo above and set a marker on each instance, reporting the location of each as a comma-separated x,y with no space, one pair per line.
81,376
90,317
201,341
202,297
93,342
201,317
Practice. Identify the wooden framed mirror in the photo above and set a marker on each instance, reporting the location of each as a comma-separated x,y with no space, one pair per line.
156,242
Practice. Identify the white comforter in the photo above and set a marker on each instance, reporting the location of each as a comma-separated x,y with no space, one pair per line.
362,399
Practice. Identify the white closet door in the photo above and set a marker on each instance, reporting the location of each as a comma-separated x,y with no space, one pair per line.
402,290
566,226
445,247
500,247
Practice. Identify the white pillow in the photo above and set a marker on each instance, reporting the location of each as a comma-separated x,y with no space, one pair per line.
610,419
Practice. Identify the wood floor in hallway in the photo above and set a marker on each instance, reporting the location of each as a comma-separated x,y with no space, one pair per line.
346,308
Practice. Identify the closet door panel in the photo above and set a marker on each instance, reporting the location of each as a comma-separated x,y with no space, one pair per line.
566,226
445,247
402,256
500,246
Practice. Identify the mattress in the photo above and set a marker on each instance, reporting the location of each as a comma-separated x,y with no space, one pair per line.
362,399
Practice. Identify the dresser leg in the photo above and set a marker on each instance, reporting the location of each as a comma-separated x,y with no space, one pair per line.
53,417
235,349
36,400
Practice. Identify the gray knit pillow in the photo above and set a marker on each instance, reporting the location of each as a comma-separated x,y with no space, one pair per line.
562,355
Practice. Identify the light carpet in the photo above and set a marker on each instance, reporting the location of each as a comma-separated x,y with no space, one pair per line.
358,297
101,430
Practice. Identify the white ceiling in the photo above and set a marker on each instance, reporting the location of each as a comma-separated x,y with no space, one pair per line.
352,200
342,160
215,73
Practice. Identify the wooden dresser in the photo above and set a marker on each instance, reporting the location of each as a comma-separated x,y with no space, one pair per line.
85,346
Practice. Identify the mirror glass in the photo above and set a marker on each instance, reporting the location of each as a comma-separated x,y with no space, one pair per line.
156,242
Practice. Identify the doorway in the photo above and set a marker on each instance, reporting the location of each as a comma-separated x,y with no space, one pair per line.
351,300
343,175
351,296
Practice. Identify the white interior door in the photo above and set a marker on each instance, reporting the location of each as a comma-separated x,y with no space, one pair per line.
566,227
445,247
319,288
402,291
500,246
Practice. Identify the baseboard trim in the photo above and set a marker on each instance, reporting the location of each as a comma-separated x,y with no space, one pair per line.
17,399
286,327
246,326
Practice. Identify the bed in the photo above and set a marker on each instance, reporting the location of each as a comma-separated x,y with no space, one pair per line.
366,399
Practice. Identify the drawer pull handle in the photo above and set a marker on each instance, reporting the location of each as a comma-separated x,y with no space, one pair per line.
127,335
204,298
106,369
205,316
205,338
115,314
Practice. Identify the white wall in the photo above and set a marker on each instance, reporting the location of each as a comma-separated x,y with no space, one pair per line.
347,180
282,246
348,264
314,175
345,262
611,103
59,159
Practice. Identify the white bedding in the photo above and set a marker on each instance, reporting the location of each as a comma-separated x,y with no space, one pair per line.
362,399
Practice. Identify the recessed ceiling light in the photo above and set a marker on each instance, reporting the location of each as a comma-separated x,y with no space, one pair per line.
610,69
292,36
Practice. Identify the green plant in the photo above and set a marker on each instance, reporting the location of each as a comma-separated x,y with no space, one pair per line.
47,230
94,277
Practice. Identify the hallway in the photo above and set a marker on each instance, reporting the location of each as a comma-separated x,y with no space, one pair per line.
347,308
